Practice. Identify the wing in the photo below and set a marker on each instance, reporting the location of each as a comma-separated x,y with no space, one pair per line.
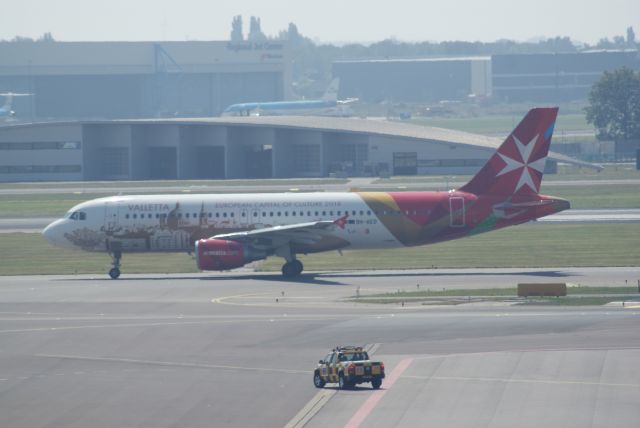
297,235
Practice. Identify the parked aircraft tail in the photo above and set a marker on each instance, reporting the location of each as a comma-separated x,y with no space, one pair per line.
518,164
8,101
331,94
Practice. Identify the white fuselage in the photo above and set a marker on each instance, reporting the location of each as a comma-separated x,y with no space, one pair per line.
174,222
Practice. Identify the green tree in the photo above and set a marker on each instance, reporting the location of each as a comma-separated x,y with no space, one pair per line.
631,36
236,29
614,107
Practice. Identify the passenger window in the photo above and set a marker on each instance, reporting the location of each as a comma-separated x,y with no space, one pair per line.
278,213
264,214
232,214
135,216
293,213
361,212
195,215
126,216
368,212
331,213
187,215
209,215
243,214
270,213
224,215
353,212
286,213
324,213
217,215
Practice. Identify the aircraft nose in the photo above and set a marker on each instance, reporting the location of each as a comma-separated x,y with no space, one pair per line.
51,233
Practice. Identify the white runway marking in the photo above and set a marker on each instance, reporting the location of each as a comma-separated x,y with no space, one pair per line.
172,364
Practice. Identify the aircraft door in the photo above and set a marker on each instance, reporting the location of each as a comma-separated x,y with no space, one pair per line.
110,216
249,217
456,211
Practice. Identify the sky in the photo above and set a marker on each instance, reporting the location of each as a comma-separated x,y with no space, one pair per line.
336,21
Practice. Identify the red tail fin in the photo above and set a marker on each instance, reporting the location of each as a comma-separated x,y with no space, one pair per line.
518,164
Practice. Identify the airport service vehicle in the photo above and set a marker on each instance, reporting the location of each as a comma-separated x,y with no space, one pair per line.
227,231
348,366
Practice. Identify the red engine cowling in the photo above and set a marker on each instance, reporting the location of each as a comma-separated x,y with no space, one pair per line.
218,254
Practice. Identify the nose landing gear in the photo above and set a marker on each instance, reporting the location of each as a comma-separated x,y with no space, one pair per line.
114,273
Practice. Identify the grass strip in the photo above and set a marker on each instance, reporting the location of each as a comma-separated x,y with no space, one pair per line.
530,245
576,296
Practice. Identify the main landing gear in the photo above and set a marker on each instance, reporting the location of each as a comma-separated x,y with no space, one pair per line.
114,273
292,269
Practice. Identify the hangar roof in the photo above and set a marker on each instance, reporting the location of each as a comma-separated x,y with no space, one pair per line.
368,126
335,124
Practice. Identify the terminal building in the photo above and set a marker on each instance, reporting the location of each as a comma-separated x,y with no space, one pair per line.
70,80
241,147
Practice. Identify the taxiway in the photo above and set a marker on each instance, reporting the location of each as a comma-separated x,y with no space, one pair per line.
239,349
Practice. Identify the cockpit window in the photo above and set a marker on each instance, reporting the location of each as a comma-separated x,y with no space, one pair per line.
78,215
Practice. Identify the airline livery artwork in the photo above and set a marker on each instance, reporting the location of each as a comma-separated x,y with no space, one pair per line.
228,231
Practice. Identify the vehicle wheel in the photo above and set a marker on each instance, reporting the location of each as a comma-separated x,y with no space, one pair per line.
114,273
318,381
375,383
342,383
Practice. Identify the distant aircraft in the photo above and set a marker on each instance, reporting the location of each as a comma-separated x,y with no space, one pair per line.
328,105
227,231
5,111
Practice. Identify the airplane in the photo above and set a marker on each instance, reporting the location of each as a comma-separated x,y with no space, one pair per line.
227,231
328,105
5,111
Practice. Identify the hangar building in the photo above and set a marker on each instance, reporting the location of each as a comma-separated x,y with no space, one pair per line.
72,80
555,77
414,80
241,147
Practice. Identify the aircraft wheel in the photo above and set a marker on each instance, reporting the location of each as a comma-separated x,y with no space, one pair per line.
290,269
114,273
298,266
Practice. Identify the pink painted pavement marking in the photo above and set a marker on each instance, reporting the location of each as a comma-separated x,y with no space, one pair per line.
368,406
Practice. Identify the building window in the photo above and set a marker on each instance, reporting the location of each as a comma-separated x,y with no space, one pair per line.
42,145
39,169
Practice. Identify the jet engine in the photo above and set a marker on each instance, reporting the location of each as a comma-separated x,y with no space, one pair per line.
220,254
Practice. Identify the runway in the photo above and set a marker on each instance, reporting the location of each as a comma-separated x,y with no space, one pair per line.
239,350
